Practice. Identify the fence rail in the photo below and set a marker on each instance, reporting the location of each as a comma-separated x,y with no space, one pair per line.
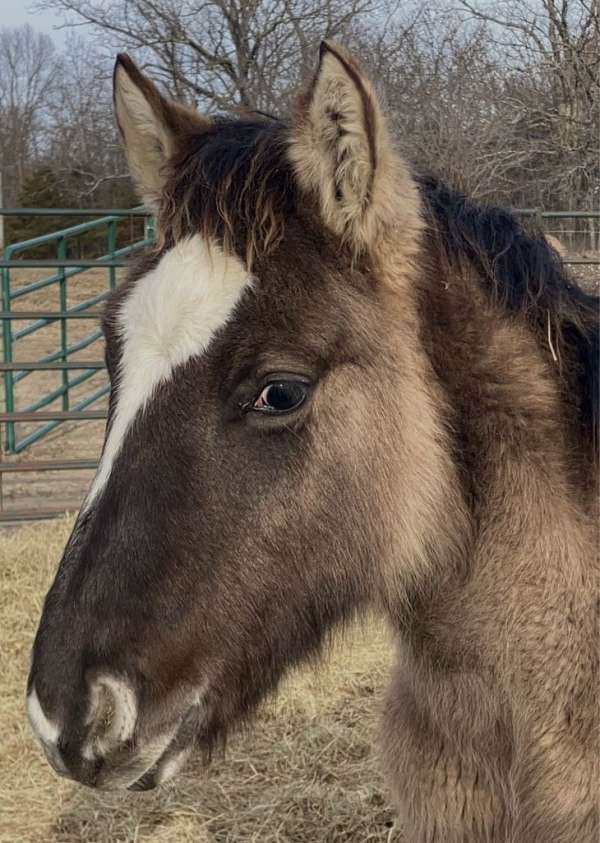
61,360
575,229
73,212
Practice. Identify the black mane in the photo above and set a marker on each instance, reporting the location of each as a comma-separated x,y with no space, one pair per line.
234,183
525,275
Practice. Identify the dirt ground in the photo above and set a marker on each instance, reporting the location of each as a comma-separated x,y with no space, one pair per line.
588,275
306,772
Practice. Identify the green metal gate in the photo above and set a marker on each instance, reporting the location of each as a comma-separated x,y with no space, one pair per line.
63,270
66,269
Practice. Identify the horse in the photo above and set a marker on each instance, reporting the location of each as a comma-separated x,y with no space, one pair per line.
337,386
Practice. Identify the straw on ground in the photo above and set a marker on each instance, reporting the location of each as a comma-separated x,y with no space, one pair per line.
307,771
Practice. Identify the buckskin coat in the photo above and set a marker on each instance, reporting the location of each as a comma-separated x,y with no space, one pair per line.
336,386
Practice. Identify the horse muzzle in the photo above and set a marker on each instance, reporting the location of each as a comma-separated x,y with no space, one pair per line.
116,745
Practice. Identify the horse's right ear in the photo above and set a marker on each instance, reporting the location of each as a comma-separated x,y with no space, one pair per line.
151,127
342,153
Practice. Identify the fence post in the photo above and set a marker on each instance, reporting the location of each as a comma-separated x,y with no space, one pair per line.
61,254
594,235
6,338
9,390
1,215
111,249
149,228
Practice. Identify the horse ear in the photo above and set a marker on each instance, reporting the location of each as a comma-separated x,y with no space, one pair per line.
151,126
341,149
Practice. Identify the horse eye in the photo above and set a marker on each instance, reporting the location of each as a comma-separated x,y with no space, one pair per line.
281,397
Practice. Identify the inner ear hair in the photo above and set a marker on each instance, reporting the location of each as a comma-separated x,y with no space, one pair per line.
342,153
369,116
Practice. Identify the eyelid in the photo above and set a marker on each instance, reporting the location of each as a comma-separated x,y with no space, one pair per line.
266,378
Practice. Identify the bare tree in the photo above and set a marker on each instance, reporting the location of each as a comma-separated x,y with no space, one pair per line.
220,53
500,99
29,69
553,47
82,137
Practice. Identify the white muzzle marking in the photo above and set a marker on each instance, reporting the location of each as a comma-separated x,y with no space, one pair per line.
44,729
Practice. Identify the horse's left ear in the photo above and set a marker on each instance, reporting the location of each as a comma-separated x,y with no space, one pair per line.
151,127
341,150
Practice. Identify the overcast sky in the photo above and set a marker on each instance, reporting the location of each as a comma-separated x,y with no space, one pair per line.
17,12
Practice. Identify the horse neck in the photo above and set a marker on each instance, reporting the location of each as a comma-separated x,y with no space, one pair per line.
508,430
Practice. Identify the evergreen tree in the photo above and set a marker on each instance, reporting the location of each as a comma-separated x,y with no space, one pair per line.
41,189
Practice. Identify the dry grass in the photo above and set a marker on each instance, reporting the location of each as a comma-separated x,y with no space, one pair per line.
306,772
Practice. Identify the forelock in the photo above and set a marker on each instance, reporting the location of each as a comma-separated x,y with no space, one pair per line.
232,183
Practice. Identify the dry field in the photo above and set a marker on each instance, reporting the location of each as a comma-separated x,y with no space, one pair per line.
306,773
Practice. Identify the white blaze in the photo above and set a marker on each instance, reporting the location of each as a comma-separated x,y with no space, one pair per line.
170,315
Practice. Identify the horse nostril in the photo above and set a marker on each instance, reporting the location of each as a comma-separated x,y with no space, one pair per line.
112,715
101,739
102,709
